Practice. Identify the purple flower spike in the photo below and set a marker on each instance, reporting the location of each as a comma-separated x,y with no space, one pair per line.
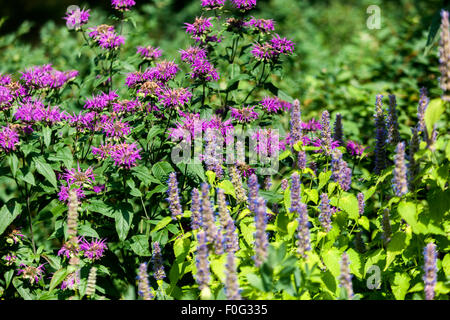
174,197
227,223
232,290
444,56
304,244
202,263
158,267
325,212
325,133
380,136
345,279
341,172
208,219
295,193
399,181
253,189
430,268
143,284
261,238
392,121
196,218
421,108
361,203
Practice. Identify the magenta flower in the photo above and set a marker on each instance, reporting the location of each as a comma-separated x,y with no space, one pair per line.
127,106
115,128
244,114
14,236
187,128
70,248
244,4
100,101
125,155
5,79
5,98
122,5
106,37
174,98
63,194
212,4
149,53
71,281
8,139
79,177
203,70
312,125
76,18
282,45
30,273
41,77
103,152
200,27
192,53
93,250
275,104
225,127
354,148
262,25
163,71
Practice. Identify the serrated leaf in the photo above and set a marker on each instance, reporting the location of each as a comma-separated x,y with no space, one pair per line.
227,187
355,263
57,278
162,223
140,245
47,135
324,177
398,243
161,171
8,213
123,218
332,259
46,170
400,285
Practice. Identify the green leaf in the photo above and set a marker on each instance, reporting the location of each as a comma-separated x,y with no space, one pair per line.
46,170
255,281
400,285
57,278
313,195
446,264
332,259
211,177
140,246
349,203
13,163
100,207
227,187
218,266
323,179
8,213
63,155
284,154
144,175
162,223
123,217
47,134
24,292
28,178
181,248
364,222
398,243
355,263
161,171
433,113
407,211
247,232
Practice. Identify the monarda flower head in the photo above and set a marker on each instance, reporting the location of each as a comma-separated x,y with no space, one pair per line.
243,5
203,70
174,98
123,5
444,56
355,149
399,181
430,268
8,139
261,25
345,278
261,238
191,54
93,250
392,121
174,197
125,155
200,28
380,136
30,273
76,17
212,4
106,37
45,77
101,101
244,114
274,105
149,53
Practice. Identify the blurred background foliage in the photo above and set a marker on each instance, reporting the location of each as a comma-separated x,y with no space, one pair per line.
340,64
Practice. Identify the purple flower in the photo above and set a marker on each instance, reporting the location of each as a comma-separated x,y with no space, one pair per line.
361,203
202,275
63,194
267,142
188,128
345,278
143,284
273,105
284,184
338,131
101,101
244,4
203,70
261,238
71,281
212,4
6,98
399,181
208,219
296,124
430,268
325,133
115,128
444,55
341,173
191,54
70,248
232,290
264,51
380,136
93,250
301,160
244,114
149,53
106,37
253,189
262,25
78,176
304,244
354,148
224,127
295,193
41,77
227,223
414,165
199,28
236,180
163,71
196,218
311,126
125,155
158,267
174,98
282,45
8,139
421,108
174,197
30,273
76,18
392,121
325,212
122,5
